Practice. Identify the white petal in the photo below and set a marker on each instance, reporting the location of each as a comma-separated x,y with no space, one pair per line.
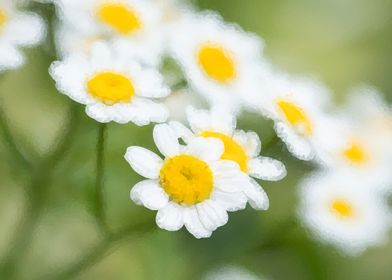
257,197
166,140
296,144
193,223
211,214
25,29
266,168
208,149
10,57
149,194
228,177
182,131
145,111
249,141
144,162
170,217
230,201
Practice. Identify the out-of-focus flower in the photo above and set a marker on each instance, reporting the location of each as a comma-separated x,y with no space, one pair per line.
231,273
133,24
17,29
359,142
297,107
192,186
112,86
241,147
220,61
341,211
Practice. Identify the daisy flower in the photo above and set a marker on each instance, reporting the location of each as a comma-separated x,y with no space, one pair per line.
17,29
241,147
133,24
340,211
220,61
191,186
360,144
297,107
112,86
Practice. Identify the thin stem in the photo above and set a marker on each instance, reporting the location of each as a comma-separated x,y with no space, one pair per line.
99,181
98,252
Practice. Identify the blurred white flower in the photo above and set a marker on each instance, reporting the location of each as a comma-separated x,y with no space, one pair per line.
132,24
241,147
191,186
231,273
297,106
339,210
112,86
17,29
220,61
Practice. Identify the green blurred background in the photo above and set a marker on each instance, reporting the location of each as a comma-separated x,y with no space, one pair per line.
47,225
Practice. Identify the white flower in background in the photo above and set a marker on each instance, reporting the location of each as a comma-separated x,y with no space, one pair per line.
132,24
192,186
17,29
359,144
112,86
297,107
339,210
231,273
241,147
220,61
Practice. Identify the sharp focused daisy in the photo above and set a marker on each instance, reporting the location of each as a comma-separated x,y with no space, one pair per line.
191,186
112,86
341,211
220,61
297,107
241,147
133,24
17,29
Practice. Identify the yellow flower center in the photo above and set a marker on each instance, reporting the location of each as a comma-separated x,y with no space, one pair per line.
232,150
356,153
111,87
186,179
295,116
217,62
3,18
120,17
342,208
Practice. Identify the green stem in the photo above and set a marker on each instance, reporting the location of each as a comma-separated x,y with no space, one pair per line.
99,180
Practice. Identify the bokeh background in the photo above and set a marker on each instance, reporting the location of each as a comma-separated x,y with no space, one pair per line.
47,225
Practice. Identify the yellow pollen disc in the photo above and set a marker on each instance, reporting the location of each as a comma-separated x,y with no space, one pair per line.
217,62
295,116
186,179
232,150
3,18
120,17
111,87
342,208
356,153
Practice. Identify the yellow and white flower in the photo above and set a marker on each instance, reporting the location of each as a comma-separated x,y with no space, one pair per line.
17,29
360,142
297,107
339,210
191,186
133,24
112,87
241,147
220,61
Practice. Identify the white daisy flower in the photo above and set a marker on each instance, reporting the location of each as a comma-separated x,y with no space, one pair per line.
220,61
339,210
133,24
112,86
17,29
241,147
297,107
360,144
191,186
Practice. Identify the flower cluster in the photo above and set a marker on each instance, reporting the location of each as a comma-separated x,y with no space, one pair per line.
111,59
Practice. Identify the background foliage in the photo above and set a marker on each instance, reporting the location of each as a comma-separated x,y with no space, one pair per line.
47,210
